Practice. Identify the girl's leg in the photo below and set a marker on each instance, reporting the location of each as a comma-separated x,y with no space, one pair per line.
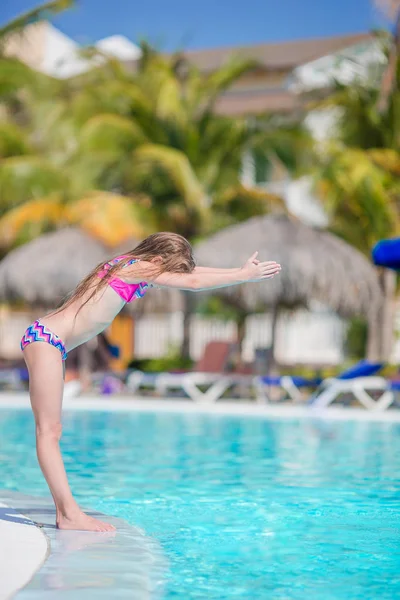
46,389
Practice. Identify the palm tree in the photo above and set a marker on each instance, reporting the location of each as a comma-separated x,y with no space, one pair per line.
358,168
155,131
151,137
43,186
39,188
390,78
357,178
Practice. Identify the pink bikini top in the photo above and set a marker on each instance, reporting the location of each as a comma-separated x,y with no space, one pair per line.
127,291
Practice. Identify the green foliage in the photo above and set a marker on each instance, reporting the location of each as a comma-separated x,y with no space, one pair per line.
23,178
360,196
215,306
357,172
13,141
110,133
173,361
151,135
356,339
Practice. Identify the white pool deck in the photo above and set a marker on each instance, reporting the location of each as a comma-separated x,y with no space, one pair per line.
26,549
240,407
44,562
23,550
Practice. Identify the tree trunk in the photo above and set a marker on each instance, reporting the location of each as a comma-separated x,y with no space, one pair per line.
381,320
374,336
85,366
388,283
241,332
188,308
274,325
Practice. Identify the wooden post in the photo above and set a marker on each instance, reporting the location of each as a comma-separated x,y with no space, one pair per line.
373,350
274,326
241,332
188,308
85,366
381,320
388,282
121,333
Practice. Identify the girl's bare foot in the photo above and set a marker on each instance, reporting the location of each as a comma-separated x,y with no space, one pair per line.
82,522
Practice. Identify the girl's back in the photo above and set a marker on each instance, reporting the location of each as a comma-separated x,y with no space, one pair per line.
85,317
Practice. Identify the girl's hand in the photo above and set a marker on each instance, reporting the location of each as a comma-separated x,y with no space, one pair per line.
254,270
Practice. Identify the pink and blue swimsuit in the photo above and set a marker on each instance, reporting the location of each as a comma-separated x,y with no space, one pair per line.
127,291
37,332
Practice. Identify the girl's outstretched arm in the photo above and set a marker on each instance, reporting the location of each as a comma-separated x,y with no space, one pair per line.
205,278
214,269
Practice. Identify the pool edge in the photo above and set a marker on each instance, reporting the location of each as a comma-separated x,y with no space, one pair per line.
27,540
243,408
77,559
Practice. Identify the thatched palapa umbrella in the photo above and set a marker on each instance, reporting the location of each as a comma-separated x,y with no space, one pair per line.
316,265
45,270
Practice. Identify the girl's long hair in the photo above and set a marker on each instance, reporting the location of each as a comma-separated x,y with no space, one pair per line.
175,251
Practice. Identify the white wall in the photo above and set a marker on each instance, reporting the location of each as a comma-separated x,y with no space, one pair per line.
302,337
59,56
343,66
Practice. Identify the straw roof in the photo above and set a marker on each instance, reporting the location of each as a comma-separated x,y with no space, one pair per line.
43,271
277,56
316,265
46,269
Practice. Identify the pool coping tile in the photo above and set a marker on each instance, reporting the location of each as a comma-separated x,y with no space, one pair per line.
53,564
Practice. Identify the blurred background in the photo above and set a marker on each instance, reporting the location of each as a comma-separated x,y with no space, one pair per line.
242,126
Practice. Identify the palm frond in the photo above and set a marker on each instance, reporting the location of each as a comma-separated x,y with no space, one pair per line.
40,13
32,218
111,133
24,178
110,218
13,140
358,196
177,167
386,159
243,202
220,80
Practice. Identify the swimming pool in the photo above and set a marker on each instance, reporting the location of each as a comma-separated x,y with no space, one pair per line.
244,508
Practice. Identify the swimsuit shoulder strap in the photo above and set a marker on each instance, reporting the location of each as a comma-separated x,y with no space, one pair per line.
117,259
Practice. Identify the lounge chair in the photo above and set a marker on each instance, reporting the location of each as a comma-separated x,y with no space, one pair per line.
359,381
14,379
291,385
210,372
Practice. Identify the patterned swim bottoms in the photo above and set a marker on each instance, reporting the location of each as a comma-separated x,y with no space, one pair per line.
40,333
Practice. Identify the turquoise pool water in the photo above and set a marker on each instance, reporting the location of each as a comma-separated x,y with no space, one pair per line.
243,507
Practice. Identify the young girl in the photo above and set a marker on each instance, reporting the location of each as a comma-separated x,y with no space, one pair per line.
162,259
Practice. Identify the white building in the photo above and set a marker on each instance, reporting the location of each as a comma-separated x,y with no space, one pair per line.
47,49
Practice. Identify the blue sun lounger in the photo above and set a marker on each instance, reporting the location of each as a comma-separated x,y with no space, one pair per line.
291,384
359,381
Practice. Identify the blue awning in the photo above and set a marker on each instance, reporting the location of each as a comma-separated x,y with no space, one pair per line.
386,253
